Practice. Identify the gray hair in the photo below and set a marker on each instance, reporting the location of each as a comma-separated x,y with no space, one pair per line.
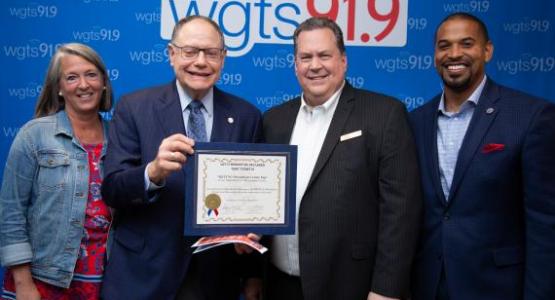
50,102
188,19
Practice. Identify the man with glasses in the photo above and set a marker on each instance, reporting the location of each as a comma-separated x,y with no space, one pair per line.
152,133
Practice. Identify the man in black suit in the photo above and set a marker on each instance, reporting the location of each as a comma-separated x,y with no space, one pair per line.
358,193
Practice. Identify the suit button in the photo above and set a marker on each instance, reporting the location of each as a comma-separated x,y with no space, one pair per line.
446,216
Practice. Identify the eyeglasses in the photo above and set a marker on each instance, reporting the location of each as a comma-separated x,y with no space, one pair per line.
188,52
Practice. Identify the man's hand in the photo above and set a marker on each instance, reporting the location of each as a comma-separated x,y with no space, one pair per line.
253,289
171,156
374,296
241,248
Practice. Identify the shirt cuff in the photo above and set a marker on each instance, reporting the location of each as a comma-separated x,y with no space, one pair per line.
151,186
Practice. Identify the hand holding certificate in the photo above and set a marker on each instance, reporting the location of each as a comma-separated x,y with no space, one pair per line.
240,189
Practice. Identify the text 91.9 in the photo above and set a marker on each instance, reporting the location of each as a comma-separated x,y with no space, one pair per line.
230,79
365,21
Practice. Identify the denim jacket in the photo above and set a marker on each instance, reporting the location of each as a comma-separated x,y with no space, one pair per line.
43,199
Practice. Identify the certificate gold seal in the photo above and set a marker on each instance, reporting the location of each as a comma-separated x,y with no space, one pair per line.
213,202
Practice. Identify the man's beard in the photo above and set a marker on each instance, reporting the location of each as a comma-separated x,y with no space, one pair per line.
457,85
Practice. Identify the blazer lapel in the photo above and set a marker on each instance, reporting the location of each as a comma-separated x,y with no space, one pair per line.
430,140
169,114
341,115
168,111
282,134
484,114
224,118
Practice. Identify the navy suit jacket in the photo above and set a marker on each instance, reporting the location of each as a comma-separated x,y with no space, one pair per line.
149,255
495,235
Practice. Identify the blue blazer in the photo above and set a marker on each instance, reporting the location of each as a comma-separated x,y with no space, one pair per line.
149,255
495,235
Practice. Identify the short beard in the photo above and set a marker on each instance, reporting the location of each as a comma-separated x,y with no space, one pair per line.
457,86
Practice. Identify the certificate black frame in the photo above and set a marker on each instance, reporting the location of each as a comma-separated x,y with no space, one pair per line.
192,228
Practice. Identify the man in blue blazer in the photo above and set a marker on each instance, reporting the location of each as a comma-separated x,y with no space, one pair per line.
150,139
487,158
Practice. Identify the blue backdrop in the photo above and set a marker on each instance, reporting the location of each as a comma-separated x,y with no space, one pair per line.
390,45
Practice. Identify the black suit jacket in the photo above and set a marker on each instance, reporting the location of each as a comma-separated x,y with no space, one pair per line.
149,256
358,217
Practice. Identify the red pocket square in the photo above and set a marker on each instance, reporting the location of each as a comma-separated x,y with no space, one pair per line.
493,147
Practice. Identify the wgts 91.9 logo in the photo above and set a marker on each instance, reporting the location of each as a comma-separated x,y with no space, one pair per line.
248,22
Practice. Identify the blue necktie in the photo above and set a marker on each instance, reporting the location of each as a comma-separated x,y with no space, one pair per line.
196,129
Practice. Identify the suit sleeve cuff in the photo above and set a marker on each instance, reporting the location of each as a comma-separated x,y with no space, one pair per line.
152,188
149,185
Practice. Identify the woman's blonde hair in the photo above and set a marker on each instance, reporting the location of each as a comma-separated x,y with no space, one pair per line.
50,102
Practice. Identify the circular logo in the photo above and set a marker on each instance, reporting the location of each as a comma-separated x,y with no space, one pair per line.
212,201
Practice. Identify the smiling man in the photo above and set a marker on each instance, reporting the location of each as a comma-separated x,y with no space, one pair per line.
358,192
151,134
488,172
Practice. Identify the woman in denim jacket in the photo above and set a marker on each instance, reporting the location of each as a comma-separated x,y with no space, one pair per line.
53,222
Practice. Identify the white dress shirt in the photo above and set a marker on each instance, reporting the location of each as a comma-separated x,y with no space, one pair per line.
311,127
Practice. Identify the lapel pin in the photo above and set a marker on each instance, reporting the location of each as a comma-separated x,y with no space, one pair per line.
230,120
490,110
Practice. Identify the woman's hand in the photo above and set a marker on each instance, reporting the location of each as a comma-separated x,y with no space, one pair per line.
25,288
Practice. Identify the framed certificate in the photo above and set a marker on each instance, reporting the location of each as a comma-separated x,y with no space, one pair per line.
234,188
